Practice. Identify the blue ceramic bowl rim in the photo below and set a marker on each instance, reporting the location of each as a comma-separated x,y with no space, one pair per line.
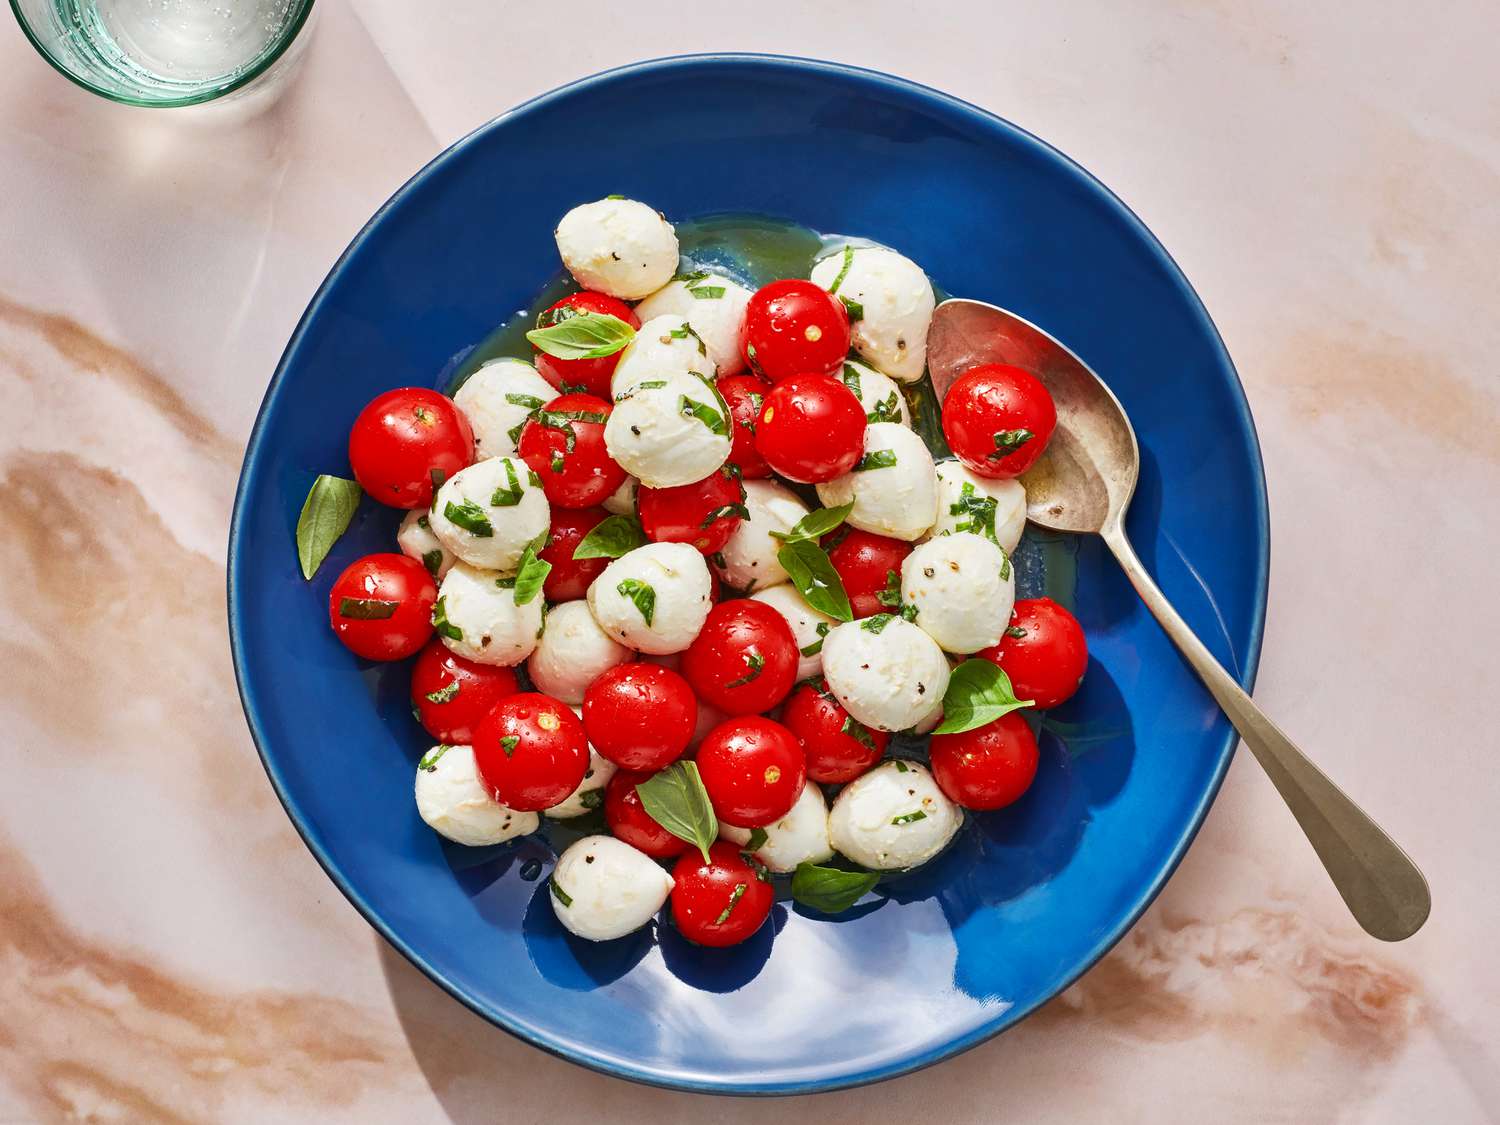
981,118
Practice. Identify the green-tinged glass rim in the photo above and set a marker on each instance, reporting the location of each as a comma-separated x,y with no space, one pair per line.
268,58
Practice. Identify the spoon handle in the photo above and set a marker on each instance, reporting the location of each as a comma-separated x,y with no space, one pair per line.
1379,883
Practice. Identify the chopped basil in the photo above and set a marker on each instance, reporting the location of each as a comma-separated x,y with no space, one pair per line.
755,662
509,497
978,510
909,613
583,336
902,767
877,622
707,292
857,731
734,897
855,310
560,420
876,459
725,512
642,594
891,595
430,759
330,506
816,580
843,270
509,744
1004,567
611,538
514,433
561,895
650,384
591,798
816,524
690,276
909,818
424,523
887,409
614,197
817,646
754,363
433,561
830,890
1015,631
445,693
506,582
367,609
1008,441
710,417
469,516
530,402
851,379
557,462
437,476
684,332
978,693
758,838
530,574
676,799
440,622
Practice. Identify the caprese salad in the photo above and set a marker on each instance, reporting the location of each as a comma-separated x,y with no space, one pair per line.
687,569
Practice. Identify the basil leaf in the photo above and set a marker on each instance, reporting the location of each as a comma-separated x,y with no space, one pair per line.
877,459
557,464
683,332
819,584
559,420
561,895
675,799
433,561
978,693
710,417
843,270
855,310
430,759
758,838
1008,441
979,510
909,818
611,537
734,897
817,646
830,890
902,767
755,662
642,594
690,276
530,402
725,512
891,595
511,496
469,516
887,409
857,731
445,693
1015,631
530,575
591,798
584,336
707,292
909,613
851,379
876,623
509,744
442,625
330,505
367,609
816,524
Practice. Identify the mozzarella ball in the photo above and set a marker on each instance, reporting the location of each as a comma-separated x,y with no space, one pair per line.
671,580
590,792
809,626
497,399
714,305
887,679
618,246
484,623
995,509
656,437
801,836
897,301
416,540
748,561
898,500
734,834
603,889
510,526
893,817
662,348
572,651
454,802
621,502
878,394
963,588
928,722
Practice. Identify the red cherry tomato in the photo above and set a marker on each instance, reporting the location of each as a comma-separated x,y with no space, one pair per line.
723,901
1043,652
591,375
744,659
570,578
406,442
838,747
870,566
753,770
640,716
704,513
630,822
811,429
531,752
564,445
988,767
381,606
998,419
451,694
744,395
794,327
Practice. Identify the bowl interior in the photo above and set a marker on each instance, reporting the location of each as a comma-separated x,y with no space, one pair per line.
1028,897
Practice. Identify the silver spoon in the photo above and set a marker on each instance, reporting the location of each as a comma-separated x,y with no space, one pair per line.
1083,483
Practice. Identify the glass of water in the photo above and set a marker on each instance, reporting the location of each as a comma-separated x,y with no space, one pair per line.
164,52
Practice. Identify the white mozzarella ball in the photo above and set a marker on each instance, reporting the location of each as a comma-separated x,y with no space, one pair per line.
885,671
878,394
484,623
897,302
416,540
809,626
927,723
455,803
621,502
662,348
801,836
619,247
900,499
497,400
573,650
590,792
673,434
963,588
496,534
995,509
734,834
714,305
671,580
603,889
748,561
893,817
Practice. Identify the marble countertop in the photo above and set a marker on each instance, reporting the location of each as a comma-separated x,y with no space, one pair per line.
1329,177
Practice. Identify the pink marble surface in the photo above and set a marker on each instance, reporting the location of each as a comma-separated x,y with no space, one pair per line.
1329,177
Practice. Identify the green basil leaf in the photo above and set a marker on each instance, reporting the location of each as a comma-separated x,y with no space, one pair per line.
902,767
367,609
758,838
530,402
675,799
530,575
978,693
857,731
642,594
851,379
430,759
843,270
591,798
819,584
584,336
683,332
707,292
855,310
725,512
706,414
561,895
330,505
816,524
876,623
909,818
753,661
1015,631
830,890
509,744
433,561
510,496
1008,441
611,537
876,459
887,409
734,897
445,693
442,625
978,512
690,276
891,595
469,516
817,646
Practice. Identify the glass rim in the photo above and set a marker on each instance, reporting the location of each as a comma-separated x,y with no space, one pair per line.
272,52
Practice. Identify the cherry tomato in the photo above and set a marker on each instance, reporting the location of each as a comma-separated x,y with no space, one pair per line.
794,327
704,513
570,578
744,659
451,694
870,567
838,747
531,752
753,770
630,822
406,442
998,419
723,901
591,375
744,395
640,716
811,429
1043,652
988,767
381,606
564,445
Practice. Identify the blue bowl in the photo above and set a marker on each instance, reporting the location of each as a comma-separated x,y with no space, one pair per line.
1027,898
